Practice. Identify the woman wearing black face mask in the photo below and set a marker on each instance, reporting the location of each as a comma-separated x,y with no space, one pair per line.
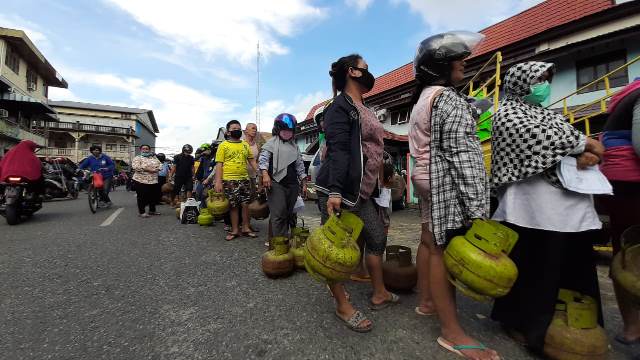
280,163
350,175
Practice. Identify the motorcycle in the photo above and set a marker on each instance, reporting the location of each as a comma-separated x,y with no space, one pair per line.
18,199
60,181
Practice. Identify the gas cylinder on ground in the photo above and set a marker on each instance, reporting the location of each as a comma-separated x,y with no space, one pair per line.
278,261
331,253
398,270
574,333
299,236
167,188
478,262
205,218
178,213
625,267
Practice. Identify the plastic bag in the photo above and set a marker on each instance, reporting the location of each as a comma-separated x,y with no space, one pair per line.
98,181
299,205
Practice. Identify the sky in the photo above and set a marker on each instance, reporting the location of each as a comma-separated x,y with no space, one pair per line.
193,62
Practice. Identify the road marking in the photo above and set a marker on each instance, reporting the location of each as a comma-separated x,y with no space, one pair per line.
112,217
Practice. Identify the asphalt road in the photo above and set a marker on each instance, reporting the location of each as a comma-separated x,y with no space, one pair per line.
156,289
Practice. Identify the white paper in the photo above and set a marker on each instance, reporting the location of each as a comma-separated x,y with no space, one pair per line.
587,181
385,198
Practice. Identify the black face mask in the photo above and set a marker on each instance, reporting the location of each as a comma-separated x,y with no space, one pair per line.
236,134
367,80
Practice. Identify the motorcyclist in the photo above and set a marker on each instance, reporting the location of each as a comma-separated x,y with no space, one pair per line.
21,161
99,162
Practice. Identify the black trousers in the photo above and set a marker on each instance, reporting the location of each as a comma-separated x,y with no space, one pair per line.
547,262
146,195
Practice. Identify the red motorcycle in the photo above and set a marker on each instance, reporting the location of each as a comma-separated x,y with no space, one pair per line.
18,199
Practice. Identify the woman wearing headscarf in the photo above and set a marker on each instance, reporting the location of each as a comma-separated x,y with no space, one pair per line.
146,167
22,161
449,177
283,172
554,247
621,165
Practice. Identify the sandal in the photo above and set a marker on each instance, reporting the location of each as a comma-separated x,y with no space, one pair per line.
422,313
249,234
624,341
394,299
354,321
456,349
231,236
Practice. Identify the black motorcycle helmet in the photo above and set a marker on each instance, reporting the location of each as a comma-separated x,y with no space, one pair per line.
161,157
436,53
187,148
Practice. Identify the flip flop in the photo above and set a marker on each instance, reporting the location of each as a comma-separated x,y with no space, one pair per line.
422,313
249,234
385,304
356,319
231,236
622,340
456,348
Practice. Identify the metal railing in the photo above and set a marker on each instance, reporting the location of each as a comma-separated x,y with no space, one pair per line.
572,114
90,128
491,86
79,154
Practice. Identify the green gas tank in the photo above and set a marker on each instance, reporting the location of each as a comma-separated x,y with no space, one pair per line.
205,218
217,204
331,253
478,262
278,261
625,267
574,333
299,236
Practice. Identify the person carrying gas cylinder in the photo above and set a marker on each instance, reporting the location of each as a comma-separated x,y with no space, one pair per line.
204,169
621,165
283,172
449,177
182,173
554,249
100,163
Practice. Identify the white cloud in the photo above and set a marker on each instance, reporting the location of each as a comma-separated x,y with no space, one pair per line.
32,30
465,14
360,5
229,29
299,106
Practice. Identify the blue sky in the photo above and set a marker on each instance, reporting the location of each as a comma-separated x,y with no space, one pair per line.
193,61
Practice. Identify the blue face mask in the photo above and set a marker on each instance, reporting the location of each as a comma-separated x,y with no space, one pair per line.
539,93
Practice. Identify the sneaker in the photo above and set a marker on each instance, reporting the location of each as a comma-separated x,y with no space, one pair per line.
145,215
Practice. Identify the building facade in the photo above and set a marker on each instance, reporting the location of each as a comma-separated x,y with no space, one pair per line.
584,41
25,77
118,130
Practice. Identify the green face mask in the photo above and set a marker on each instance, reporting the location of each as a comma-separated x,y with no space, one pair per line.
539,93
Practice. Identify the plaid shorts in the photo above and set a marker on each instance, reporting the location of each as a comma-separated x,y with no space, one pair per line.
237,191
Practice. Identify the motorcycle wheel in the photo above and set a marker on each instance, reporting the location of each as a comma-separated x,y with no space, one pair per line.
12,213
93,199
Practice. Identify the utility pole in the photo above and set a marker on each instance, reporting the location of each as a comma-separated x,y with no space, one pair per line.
258,86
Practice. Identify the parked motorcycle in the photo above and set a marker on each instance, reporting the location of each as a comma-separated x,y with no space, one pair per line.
60,180
18,199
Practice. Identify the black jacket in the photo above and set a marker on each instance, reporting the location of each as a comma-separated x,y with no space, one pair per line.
341,170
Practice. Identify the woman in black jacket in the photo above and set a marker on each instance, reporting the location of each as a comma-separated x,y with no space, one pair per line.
350,175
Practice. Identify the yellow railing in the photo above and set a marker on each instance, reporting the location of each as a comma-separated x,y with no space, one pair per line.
492,83
572,114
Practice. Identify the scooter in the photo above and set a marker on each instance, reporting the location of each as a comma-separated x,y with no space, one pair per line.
18,199
60,181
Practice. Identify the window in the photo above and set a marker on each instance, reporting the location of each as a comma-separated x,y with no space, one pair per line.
12,60
123,148
594,68
111,147
32,80
399,116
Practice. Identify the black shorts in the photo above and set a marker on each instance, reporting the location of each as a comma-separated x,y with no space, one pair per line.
180,181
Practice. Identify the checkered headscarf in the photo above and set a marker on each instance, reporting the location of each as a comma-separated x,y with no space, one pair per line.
527,139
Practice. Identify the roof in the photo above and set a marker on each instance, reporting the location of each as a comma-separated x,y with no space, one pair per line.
99,107
23,45
538,19
314,108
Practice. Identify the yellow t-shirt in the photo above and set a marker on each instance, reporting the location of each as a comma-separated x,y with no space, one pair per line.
234,157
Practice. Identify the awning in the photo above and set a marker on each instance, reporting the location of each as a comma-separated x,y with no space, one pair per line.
24,103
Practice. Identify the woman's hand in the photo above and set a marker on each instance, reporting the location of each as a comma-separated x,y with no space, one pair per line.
266,180
205,182
333,205
587,159
218,187
594,147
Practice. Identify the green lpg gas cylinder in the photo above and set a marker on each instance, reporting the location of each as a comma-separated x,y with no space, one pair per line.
331,253
299,236
625,268
217,204
478,262
278,261
205,218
